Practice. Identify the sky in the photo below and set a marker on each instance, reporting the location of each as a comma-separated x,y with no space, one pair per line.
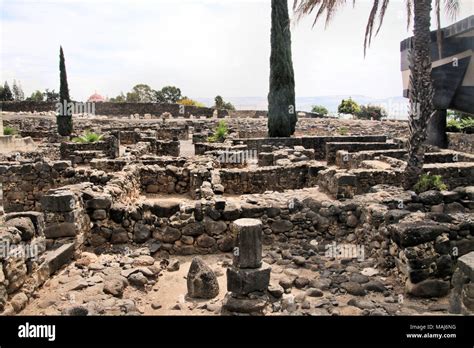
205,47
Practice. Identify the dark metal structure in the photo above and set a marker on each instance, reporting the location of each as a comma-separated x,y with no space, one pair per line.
453,74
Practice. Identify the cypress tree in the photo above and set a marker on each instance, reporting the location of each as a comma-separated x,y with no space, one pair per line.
7,94
281,98
64,120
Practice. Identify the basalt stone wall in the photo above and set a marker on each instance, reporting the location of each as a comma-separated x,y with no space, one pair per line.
248,114
204,227
278,178
181,133
333,147
163,147
24,184
116,109
28,106
453,174
347,183
447,156
172,179
109,147
425,249
37,244
461,142
126,109
318,144
347,160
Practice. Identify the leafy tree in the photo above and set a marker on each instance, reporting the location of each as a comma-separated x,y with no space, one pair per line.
64,121
220,104
133,97
51,96
371,112
7,94
348,106
143,92
281,98
121,98
18,94
36,96
320,110
168,95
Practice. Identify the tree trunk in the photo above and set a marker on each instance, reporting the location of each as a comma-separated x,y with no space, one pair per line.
281,98
436,131
421,91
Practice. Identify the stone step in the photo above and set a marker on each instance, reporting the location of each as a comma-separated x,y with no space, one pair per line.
333,147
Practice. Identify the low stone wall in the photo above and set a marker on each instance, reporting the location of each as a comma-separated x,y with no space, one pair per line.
461,142
24,184
72,151
12,143
180,133
116,109
248,114
347,183
172,179
453,174
163,147
348,160
278,178
318,143
426,246
333,147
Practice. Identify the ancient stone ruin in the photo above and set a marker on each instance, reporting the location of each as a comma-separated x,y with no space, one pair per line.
153,218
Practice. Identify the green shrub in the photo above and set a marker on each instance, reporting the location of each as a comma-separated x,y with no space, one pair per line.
320,110
430,182
88,137
467,124
9,131
453,125
371,112
220,133
190,102
348,106
343,131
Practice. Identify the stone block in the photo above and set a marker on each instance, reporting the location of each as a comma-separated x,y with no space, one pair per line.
59,230
244,281
466,265
54,259
63,201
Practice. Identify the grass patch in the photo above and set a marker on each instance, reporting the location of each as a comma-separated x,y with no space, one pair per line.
88,138
429,182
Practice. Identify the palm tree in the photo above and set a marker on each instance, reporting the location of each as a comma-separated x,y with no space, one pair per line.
421,91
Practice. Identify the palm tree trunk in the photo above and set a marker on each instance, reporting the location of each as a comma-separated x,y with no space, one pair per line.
421,91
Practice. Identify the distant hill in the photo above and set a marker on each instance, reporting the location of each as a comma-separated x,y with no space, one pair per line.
397,107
